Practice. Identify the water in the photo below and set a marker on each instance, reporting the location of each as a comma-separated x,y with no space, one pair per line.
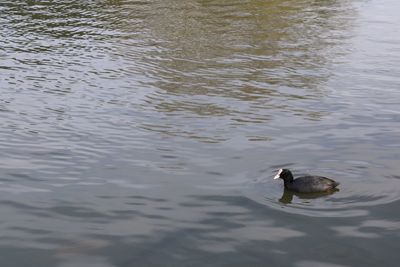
147,133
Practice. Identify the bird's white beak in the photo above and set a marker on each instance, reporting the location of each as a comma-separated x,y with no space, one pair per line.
278,175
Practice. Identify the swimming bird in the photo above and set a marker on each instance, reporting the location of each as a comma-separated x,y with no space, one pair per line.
306,184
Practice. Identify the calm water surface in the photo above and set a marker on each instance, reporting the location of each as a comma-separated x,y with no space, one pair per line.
147,133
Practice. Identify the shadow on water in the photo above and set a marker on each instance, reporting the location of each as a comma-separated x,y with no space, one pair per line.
287,196
236,231
196,230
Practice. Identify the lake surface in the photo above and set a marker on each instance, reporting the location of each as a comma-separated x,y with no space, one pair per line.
147,133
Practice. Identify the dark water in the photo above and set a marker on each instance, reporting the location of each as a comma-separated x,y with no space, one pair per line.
147,133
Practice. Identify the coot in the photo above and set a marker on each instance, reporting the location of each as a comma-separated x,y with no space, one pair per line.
306,184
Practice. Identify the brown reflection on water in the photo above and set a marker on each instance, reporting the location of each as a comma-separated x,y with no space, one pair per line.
244,49
189,65
236,64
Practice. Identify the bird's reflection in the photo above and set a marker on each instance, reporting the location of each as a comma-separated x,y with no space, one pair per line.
287,195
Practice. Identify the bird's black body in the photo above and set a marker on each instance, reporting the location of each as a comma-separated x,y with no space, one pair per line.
306,184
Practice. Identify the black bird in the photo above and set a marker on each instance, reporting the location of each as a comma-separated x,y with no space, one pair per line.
306,184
